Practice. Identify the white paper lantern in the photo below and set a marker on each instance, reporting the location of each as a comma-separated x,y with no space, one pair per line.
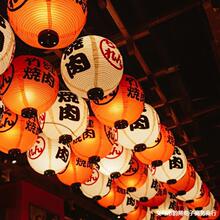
116,162
48,156
193,192
7,44
92,66
128,205
145,130
173,169
97,186
148,190
67,117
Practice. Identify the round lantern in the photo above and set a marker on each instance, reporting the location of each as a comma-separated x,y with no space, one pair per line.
114,198
92,67
139,213
78,171
128,205
32,86
7,45
148,190
67,118
142,132
121,107
17,134
173,169
116,162
54,24
160,150
48,156
185,183
94,143
97,186
2,109
134,177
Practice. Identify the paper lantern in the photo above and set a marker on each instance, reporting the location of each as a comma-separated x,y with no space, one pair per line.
94,143
97,186
114,198
148,190
17,134
116,162
173,169
7,44
92,67
128,205
139,213
67,118
142,132
78,171
54,24
134,177
160,150
185,183
32,86
121,107
2,109
48,156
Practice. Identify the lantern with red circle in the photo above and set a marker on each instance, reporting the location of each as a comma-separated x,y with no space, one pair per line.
32,85
121,107
158,151
54,24
139,213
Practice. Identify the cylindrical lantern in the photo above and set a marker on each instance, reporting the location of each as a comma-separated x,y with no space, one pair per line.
78,171
17,134
32,85
92,67
116,162
48,156
139,213
185,183
121,107
148,190
54,24
159,150
114,198
7,44
173,169
142,132
128,205
67,118
134,177
97,186
94,143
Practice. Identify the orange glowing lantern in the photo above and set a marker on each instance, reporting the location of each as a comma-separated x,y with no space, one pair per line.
139,213
78,171
17,134
54,24
114,198
121,107
134,177
31,86
160,150
94,143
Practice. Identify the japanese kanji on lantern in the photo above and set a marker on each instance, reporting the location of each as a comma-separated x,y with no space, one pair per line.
160,150
2,109
139,213
95,142
92,67
121,107
48,156
173,169
67,118
17,134
54,24
142,132
31,87
116,162
97,186
7,44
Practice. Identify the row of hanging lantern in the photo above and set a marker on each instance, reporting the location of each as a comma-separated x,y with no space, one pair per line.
122,156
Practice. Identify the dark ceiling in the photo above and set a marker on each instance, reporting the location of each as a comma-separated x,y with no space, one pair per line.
172,48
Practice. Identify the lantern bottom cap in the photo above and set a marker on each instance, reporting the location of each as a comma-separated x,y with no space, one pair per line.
29,112
96,198
94,159
121,124
157,163
181,193
49,173
95,93
111,207
131,189
171,181
48,38
115,175
140,147
143,199
75,186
